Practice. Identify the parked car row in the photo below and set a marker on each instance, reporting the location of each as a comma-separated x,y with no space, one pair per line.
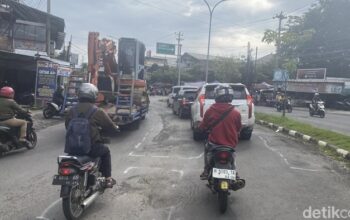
194,102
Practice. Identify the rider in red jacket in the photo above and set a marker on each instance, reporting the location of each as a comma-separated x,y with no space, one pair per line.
226,132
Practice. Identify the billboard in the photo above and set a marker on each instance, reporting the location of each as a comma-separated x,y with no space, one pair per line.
319,73
167,49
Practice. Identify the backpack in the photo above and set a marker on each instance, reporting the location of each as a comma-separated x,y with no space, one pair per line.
78,136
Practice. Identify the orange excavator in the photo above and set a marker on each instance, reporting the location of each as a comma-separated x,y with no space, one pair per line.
122,86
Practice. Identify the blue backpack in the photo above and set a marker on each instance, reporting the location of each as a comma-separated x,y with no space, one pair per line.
78,136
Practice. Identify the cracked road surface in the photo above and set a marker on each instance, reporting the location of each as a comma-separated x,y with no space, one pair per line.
157,168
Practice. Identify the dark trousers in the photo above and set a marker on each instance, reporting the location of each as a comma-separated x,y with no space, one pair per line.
102,151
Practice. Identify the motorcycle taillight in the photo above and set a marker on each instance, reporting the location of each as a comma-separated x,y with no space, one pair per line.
66,171
224,155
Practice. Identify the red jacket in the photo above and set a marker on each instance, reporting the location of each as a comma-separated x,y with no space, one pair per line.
226,132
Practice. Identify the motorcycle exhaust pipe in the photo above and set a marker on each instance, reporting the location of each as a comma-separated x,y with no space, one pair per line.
87,202
238,184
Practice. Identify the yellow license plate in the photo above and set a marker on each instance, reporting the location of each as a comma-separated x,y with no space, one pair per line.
224,185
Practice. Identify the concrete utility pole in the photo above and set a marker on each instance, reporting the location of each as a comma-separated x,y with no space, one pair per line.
69,49
179,45
281,17
256,58
248,75
211,11
48,29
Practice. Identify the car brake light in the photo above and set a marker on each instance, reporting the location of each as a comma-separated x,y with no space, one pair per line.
201,103
250,106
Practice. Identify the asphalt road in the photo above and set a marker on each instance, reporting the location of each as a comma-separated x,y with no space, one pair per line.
157,168
338,121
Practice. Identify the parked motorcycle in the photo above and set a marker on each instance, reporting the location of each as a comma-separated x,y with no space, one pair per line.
51,110
81,183
9,136
320,110
289,108
223,176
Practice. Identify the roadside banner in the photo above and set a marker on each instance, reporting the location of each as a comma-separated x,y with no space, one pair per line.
45,79
319,73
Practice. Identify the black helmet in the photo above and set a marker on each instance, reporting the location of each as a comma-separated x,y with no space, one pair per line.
88,91
223,93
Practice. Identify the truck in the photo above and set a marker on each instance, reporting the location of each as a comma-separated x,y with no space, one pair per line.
123,90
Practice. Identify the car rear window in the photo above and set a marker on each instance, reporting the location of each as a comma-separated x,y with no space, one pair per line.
176,90
238,92
190,95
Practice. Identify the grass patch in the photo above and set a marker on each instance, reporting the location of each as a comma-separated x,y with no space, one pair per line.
339,140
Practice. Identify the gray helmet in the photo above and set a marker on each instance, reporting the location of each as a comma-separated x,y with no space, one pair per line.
223,91
88,91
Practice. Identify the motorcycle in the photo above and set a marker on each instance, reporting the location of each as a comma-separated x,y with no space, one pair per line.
52,109
289,108
223,176
320,110
9,136
81,183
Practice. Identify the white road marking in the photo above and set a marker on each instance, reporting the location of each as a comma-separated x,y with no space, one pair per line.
298,168
131,154
172,208
284,158
181,172
160,156
191,158
42,216
143,139
138,145
128,169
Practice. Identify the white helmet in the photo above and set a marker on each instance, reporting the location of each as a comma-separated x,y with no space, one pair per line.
88,91
224,92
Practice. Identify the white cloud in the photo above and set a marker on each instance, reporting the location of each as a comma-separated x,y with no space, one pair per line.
192,9
253,6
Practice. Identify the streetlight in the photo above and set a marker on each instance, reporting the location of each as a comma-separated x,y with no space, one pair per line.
211,11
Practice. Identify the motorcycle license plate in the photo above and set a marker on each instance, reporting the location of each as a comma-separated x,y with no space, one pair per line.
65,180
224,174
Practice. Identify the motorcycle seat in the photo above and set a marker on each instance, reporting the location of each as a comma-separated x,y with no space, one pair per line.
217,147
81,159
4,128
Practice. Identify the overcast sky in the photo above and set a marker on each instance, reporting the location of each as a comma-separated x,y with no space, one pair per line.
235,22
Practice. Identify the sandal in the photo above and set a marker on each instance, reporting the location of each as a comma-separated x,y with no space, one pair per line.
110,182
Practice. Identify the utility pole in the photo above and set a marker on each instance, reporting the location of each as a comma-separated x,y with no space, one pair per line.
69,50
179,45
281,17
248,76
48,29
256,58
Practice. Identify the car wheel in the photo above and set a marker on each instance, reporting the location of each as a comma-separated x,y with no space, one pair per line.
246,134
197,136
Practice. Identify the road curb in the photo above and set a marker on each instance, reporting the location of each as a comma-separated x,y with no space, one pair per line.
344,153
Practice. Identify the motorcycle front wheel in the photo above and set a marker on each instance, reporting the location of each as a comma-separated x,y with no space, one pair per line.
33,139
72,207
222,199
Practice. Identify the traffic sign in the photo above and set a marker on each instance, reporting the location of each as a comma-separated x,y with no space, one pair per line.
168,49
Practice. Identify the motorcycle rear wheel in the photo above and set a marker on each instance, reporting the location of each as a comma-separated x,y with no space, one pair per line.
72,208
222,199
48,113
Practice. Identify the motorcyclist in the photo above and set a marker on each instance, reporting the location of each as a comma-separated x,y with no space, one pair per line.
278,98
8,110
225,132
87,96
315,100
58,97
